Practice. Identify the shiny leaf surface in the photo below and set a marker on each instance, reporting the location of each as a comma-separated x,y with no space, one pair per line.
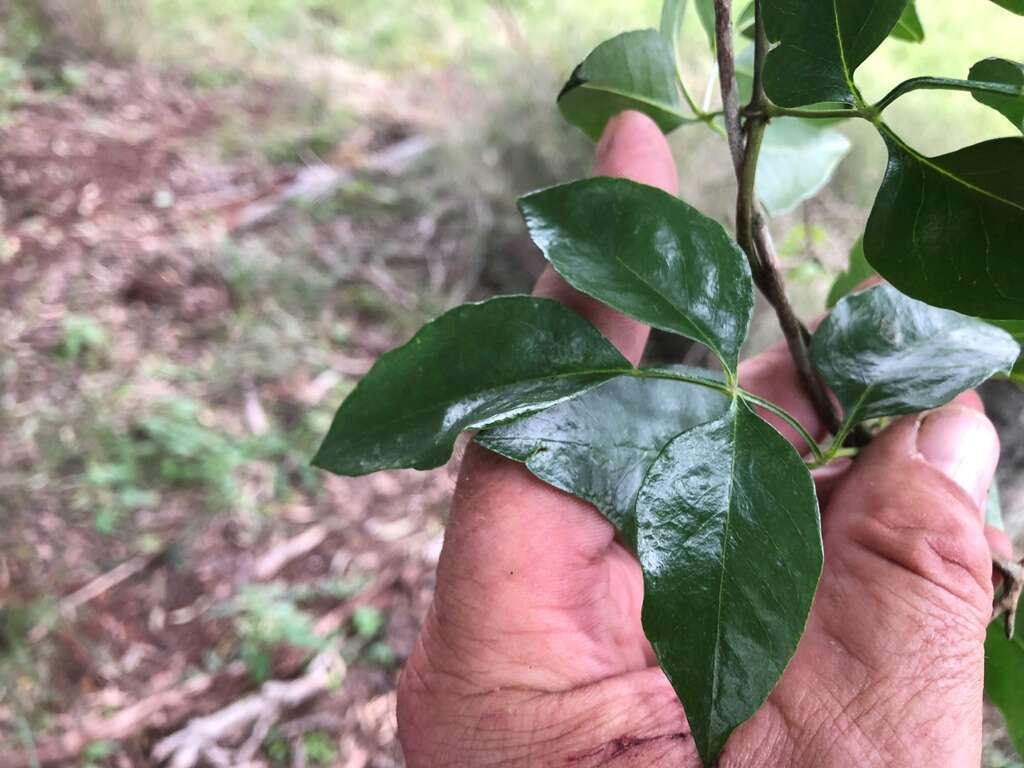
857,271
909,28
1004,676
947,229
599,446
475,366
798,158
635,70
820,46
1004,72
885,354
729,540
648,255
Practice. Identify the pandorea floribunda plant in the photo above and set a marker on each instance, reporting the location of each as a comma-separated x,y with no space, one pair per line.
718,507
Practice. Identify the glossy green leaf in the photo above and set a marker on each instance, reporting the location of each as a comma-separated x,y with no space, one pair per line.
1004,72
885,354
798,158
857,271
947,229
909,28
1004,676
635,70
648,255
1014,6
473,367
599,446
729,541
820,46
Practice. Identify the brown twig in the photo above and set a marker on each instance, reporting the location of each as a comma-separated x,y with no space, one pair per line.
1008,600
752,233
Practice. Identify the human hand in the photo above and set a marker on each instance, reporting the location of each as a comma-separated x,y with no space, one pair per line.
533,652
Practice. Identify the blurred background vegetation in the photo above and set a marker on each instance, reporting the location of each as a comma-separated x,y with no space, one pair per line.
215,216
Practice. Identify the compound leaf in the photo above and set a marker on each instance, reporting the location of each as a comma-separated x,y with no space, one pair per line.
885,354
473,367
909,28
1004,676
947,229
857,271
635,70
820,46
729,540
599,445
648,255
1004,72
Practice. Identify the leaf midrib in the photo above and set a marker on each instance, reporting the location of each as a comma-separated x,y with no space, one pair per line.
444,404
712,713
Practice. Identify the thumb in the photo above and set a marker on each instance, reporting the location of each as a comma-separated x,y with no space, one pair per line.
915,500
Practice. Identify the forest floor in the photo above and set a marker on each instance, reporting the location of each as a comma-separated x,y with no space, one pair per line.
169,363
192,277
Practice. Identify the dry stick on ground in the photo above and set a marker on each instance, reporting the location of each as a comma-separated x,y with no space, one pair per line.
67,607
751,229
203,740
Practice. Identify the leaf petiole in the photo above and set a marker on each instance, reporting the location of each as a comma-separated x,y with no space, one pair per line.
820,457
945,84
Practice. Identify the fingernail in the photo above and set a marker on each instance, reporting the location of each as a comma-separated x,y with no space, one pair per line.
604,146
962,444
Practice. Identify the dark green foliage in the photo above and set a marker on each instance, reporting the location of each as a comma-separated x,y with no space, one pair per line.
730,545
473,367
947,229
884,354
1005,72
648,255
821,44
600,445
635,70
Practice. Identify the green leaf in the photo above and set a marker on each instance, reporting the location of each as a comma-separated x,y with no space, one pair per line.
672,13
1004,676
475,366
797,160
636,70
1014,6
820,46
729,540
947,229
706,14
599,446
885,354
857,271
1004,72
909,28
648,255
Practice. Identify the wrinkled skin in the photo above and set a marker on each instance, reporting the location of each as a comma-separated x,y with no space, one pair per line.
532,653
